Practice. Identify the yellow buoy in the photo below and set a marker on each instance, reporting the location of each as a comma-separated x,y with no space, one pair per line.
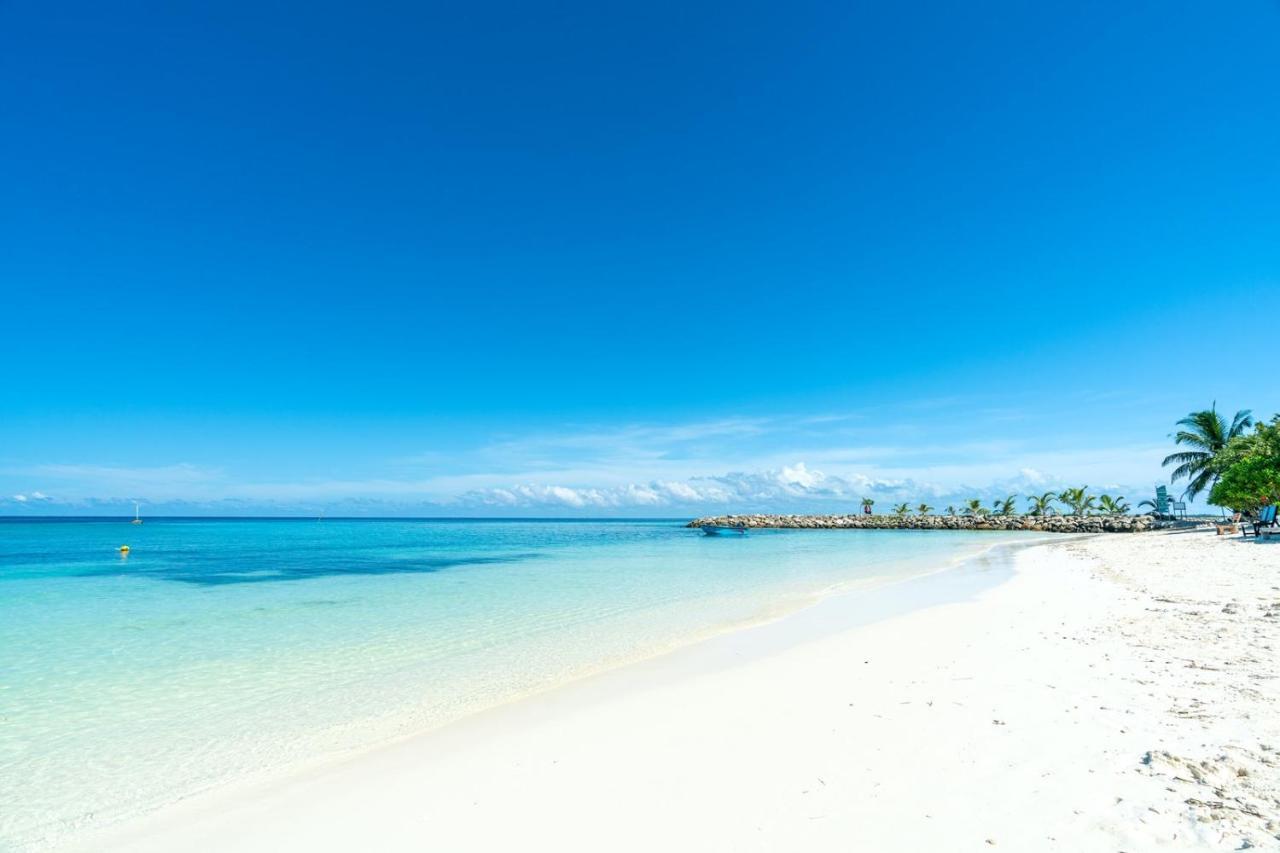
124,549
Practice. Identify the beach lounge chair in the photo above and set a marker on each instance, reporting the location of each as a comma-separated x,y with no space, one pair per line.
1265,524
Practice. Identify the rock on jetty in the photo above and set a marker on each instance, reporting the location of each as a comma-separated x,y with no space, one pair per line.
1046,523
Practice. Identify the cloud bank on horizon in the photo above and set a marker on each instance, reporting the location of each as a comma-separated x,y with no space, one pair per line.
792,488
795,487
783,464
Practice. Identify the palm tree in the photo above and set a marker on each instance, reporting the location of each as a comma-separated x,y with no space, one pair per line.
974,507
1113,506
951,510
901,509
924,509
867,503
1079,500
1151,502
1003,507
1068,497
1041,504
1208,433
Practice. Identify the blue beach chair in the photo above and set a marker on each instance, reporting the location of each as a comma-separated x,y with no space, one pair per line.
1266,521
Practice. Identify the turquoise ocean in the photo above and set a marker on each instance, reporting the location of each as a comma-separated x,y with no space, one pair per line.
221,650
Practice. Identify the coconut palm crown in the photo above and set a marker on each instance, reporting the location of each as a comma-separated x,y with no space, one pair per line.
1208,433
1079,500
1041,504
1113,506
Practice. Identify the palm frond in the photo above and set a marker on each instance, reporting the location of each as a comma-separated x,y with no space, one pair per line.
1203,481
1241,422
1187,456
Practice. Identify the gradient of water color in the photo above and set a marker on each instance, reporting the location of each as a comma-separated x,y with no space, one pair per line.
220,649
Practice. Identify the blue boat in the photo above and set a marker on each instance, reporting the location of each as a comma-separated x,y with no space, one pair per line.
723,530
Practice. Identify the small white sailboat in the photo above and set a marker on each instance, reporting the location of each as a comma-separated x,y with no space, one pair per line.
137,516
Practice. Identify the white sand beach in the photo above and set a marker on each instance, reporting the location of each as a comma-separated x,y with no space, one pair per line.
1118,693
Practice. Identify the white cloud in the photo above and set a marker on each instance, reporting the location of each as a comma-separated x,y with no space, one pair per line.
679,491
795,487
798,475
20,498
568,496
788,485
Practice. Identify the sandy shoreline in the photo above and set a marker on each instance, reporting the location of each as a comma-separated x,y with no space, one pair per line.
1117,693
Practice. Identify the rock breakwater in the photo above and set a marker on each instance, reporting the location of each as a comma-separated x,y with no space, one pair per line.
1048,524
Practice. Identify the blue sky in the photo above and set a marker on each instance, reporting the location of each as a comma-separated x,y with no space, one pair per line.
627,259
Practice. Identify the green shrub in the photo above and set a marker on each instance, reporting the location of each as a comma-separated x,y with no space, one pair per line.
1248,469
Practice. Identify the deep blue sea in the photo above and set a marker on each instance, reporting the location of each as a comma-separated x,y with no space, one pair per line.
217,650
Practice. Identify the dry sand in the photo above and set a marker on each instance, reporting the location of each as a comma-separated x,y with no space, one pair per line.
1118,693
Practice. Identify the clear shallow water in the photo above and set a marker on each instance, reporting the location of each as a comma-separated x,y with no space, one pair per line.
218,649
